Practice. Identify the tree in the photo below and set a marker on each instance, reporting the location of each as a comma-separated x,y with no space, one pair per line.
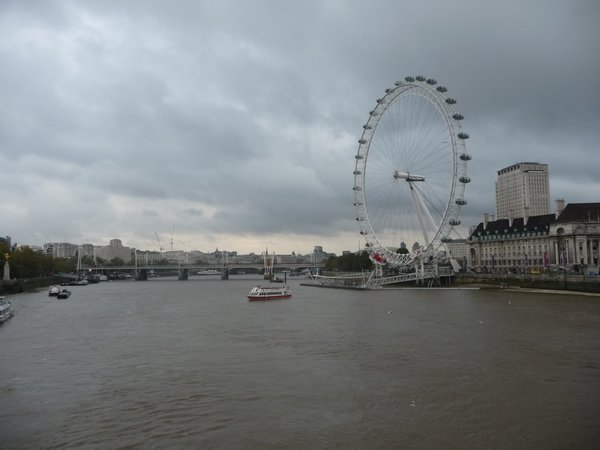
88,260
116,261
350,262
65,265
4,252
25,263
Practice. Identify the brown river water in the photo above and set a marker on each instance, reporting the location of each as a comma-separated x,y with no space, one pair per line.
192,364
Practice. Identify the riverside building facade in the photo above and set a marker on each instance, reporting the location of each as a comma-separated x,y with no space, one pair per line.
568,240
577,238
511,245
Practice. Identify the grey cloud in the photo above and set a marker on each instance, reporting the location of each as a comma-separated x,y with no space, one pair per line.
255,109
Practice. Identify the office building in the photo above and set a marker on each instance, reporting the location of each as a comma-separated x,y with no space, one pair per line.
522,190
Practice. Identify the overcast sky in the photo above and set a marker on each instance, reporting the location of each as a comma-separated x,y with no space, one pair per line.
234,124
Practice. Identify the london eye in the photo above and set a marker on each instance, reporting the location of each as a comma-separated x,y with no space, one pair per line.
410,172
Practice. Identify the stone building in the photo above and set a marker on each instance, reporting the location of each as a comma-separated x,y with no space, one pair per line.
511,245
568,240
458,249
115,249
60,249
576,234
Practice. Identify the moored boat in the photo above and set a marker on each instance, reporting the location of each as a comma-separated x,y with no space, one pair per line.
269,293
6,310
65,293
54,291
209,272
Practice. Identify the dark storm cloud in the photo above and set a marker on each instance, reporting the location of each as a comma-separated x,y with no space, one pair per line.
243,117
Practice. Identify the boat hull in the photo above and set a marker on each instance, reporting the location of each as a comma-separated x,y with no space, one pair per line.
253,298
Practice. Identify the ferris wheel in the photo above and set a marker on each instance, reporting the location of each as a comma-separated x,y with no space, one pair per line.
411,172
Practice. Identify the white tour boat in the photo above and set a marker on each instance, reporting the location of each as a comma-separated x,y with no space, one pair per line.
269,293
6,310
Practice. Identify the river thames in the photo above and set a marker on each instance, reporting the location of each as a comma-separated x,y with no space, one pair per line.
193,364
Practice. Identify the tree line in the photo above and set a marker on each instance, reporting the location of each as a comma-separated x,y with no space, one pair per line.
350,262
26,263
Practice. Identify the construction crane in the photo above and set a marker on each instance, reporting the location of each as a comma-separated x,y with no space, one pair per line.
172,235
159,244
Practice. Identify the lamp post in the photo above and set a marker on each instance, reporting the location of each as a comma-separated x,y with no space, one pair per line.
560,236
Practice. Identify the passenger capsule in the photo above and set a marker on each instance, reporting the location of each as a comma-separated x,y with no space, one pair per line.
450,101
465,157
379,100
364,232
357,203
357,188
359,156
398,83
357,172
441,89
454,222
458,117
431,81
420,78
373,113
387,91
461,202
367,127
464,180
362,141
463,136
409,79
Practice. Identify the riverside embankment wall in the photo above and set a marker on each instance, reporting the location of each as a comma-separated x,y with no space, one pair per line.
543,281
26,284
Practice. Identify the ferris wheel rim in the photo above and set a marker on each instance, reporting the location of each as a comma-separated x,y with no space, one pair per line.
426,89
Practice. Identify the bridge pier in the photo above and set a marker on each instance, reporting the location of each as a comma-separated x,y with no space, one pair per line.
183,274
142,275
225,273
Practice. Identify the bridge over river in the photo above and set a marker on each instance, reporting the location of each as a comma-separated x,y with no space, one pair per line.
142,272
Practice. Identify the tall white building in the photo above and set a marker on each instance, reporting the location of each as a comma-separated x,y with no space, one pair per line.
115,249
60,249
522,190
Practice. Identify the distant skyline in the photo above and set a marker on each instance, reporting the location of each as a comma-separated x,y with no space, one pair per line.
234,124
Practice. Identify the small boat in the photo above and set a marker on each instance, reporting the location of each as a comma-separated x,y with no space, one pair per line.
6,310
54,291
269,293
209,272
64,294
